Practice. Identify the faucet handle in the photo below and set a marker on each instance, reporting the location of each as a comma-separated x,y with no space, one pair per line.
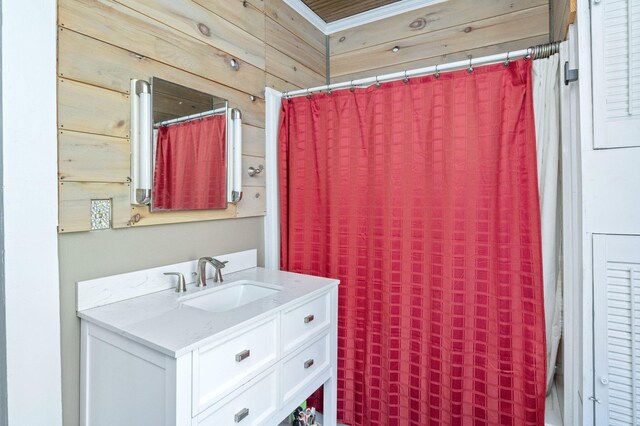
219,264
181,287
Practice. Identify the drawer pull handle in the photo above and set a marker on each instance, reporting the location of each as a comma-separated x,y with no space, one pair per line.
308,363
240,415
243,355
308,319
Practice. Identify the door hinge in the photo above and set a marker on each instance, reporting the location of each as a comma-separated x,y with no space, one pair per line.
594,399
570,75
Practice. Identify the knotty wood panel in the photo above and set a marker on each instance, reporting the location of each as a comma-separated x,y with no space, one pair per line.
100,64
294,22
280,85
500,29
294,46
296,50
244,14
116,24
92,158
253,202
78,109
141,216
103,44
200,23
253,140
446,58
426,20
279,64
332,10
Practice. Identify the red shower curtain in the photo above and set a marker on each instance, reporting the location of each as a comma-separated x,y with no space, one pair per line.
191,166
422,198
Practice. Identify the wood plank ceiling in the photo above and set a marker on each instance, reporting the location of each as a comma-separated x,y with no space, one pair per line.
332,10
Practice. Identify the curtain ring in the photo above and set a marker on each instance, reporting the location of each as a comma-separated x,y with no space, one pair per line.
352,89
377,82
470,69
506,63
406,79
308,95
437,74
529,52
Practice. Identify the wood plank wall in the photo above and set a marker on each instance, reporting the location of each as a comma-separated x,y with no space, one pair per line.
563,13
439,33
102,44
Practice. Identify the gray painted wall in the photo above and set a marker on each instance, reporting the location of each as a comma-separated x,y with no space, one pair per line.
96,254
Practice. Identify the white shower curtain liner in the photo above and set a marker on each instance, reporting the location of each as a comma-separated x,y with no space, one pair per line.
546,105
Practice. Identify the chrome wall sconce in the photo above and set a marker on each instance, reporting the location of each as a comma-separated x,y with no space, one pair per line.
141,143
234,156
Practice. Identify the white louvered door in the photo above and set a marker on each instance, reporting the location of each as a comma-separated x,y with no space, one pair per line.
616,273
616,72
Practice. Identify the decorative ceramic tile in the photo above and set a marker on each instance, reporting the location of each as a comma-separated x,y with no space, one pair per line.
100,214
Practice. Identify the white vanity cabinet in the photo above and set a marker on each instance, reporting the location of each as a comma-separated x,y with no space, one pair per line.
253,373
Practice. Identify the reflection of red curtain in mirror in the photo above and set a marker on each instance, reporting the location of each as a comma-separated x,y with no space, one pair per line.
191,165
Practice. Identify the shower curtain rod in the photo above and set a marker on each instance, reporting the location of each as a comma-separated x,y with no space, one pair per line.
190,117
535,52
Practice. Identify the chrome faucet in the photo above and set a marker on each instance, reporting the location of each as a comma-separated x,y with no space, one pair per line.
201,271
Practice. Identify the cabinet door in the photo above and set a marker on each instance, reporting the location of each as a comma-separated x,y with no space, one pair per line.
616,273
616,72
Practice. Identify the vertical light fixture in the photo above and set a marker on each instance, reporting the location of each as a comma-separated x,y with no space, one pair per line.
234,176
141,143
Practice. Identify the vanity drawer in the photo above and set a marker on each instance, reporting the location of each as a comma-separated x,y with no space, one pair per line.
251,407
220,368
302,367
302,322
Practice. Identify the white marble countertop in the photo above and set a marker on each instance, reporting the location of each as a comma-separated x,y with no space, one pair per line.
160,321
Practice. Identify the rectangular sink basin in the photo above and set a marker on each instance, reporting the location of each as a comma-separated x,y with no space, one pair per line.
232,295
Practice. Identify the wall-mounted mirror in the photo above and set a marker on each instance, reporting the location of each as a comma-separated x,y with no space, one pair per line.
185,147
190,134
